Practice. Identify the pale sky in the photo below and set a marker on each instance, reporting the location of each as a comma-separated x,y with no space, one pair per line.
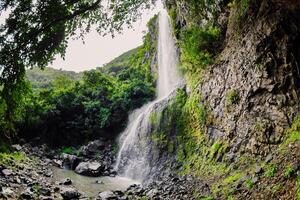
98,50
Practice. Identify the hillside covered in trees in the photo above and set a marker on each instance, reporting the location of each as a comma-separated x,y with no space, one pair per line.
101,98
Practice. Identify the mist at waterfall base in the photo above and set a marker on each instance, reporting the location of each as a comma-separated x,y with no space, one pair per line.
136,158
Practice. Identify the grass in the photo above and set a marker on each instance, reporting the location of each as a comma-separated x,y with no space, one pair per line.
293,137
233,178
215,148
66,150
292,134
159,138
37,188
271,170
11,160
276,187
143,198
227,186
289,171
206,198
232,4
153,118
218,147
259,66
232,97
249,183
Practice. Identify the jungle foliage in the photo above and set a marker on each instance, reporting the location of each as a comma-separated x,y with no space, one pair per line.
35,31
74,108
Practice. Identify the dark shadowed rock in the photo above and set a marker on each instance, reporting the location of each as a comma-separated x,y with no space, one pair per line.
67,181
26,195
70,161
46,198
45,191
69,193
92,147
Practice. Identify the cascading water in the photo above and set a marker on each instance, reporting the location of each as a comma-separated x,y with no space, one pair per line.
136,155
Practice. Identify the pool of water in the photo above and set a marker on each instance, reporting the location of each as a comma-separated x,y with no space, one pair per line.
88,185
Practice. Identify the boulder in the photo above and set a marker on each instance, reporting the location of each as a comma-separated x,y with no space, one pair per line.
92,147
70,161
89,168
258,169
16,147
26,195
69,193
6,172
152,193
7,191
107,195
45,198
268,158
45,191
67,181
99,182
57,163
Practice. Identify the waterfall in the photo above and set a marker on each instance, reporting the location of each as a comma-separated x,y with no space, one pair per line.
136,155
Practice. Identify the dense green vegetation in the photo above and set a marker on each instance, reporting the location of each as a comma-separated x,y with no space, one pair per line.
36,31
44,78
66,108
198,46
118,64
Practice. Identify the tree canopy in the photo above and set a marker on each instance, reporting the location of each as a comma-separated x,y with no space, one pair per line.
36,30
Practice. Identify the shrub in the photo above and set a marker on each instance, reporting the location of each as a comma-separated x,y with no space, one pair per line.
198,47
12,159
67,150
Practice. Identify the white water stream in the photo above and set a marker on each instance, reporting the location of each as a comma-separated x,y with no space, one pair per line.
135,152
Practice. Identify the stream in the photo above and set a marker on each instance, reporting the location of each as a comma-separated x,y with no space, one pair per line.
88,185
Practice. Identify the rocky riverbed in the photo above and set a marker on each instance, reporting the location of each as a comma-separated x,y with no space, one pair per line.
38,172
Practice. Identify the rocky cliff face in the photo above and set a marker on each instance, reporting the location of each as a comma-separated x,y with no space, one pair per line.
239,111
253,88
